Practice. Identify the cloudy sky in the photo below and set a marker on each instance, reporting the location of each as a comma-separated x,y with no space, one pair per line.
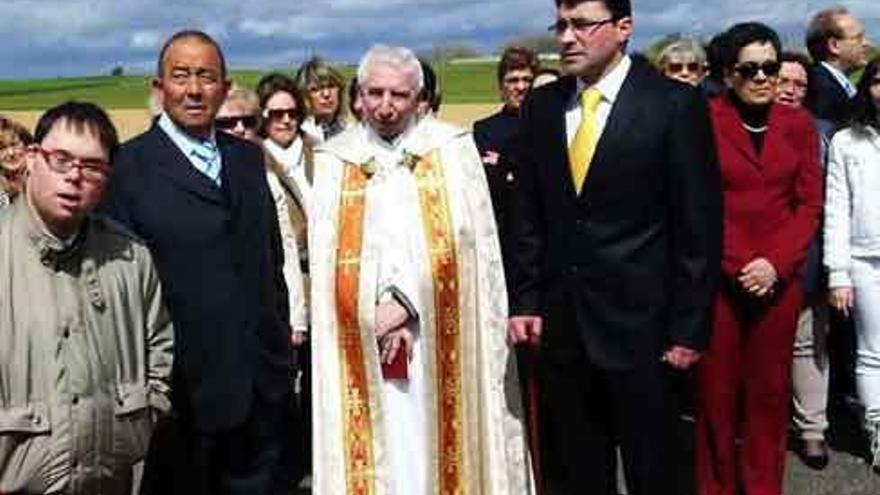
47,38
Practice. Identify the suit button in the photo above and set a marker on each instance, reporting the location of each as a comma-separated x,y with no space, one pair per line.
66,333
75,400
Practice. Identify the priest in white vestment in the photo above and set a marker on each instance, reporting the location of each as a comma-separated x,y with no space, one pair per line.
405,261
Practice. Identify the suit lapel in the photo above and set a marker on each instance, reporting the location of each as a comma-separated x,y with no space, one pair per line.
174,165
558,146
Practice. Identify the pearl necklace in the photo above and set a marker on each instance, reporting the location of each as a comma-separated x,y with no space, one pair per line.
749,128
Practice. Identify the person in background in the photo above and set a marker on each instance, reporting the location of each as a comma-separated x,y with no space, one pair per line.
430,97
713,83
494,135
545,75
810,366
14,140
239,114
852,241
85,338
772,196
200,200
354,100
838,45
683,60
322,87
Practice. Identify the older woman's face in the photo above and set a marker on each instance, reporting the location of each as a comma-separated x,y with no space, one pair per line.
323,100
791,88
12,166
754,75
280,114
684,67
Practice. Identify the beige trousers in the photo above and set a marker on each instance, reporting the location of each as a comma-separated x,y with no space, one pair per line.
809,372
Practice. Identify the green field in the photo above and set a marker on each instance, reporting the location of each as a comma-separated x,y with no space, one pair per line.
460,83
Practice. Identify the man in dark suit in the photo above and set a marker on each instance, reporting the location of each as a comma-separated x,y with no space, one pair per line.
616,245
494,135
200,201
837,43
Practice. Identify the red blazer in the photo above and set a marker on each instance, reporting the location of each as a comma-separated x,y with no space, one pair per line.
772,201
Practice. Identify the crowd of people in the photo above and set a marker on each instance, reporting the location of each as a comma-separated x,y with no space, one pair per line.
320,282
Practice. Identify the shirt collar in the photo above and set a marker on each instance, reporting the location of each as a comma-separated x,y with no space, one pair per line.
841,79
610,84
184,141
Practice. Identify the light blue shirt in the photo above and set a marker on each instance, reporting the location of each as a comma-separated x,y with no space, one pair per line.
842,79
203,154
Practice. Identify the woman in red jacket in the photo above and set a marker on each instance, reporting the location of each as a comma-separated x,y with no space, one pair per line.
771,179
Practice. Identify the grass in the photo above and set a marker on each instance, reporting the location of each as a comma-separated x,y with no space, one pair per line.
460,83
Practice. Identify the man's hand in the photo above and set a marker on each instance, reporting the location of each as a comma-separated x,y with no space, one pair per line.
758,277
524,329
400,340
842,298
680,357
389,316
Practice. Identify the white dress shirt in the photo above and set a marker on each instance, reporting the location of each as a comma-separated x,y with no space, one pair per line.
609,86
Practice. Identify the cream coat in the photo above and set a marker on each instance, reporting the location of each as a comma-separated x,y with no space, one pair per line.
85,356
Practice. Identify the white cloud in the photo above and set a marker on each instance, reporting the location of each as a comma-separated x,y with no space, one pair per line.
145,40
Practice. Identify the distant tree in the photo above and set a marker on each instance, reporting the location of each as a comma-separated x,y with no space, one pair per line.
543,43
442,52
117,71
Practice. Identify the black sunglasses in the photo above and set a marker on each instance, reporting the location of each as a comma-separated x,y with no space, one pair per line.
226,123
748,70
676,67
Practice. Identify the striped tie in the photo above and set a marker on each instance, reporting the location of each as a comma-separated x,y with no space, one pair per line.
206,154
580,152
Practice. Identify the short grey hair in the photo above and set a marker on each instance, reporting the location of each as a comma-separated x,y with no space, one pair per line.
398,57
684,46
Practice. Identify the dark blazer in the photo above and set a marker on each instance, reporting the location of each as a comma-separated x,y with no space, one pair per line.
497,133
218,254
827,99
772,201
636,254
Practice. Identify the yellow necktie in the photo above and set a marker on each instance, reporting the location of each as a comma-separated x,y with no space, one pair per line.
580,153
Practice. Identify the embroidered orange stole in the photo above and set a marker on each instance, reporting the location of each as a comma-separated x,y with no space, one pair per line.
440,242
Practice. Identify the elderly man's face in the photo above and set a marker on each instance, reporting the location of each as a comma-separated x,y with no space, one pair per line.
389,100
67,173
192,85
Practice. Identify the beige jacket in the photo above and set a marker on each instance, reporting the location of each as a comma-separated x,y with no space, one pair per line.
85,356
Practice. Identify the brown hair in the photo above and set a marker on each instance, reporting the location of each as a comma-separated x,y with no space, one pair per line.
517,58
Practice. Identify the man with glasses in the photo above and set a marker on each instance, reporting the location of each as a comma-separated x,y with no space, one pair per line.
837,43
199,199
85,340
616,247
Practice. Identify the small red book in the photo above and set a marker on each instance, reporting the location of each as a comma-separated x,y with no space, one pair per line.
397,369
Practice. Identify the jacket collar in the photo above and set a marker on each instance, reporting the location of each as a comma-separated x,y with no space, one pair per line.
51,250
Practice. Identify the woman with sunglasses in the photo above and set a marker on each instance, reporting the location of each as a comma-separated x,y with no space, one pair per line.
771,180
14,140
852,240
683,60
239,114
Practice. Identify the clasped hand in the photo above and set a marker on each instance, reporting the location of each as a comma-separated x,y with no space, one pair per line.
758,277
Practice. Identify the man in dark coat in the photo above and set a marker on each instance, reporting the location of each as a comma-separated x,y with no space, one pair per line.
200,201
616,244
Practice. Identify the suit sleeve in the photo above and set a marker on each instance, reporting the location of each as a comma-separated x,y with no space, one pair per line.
526,219
695,221
788,248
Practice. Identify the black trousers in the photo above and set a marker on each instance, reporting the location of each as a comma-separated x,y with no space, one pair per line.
586,413
245,460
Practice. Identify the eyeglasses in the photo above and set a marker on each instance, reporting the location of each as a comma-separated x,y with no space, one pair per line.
62,162
748,70
578,24
227,123
676,67
279,113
